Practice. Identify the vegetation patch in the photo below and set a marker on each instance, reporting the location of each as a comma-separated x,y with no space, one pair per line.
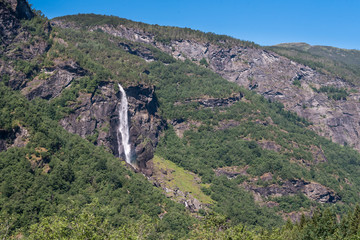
333,92
171,176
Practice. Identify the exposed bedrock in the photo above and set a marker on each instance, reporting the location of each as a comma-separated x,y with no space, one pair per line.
96,117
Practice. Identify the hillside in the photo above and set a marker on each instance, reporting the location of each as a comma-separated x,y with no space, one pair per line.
343,63
333,110
213,158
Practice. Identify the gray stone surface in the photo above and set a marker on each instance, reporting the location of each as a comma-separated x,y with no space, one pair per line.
98,114
314,191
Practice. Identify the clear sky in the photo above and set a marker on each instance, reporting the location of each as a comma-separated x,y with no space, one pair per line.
266,22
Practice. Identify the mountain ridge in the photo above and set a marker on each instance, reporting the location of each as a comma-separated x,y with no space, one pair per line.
307,45
335,61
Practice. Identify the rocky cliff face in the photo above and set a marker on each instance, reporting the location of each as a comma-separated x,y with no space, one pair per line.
21,9
54,80
15,42
96,117
272,76
10,14
311,190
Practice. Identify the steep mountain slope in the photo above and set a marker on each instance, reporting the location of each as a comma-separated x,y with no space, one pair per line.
251,162
192,99
275,77
339,62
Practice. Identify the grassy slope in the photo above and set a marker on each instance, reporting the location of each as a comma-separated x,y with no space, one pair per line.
177,177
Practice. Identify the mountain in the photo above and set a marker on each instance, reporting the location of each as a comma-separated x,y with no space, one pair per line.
329,102
227,136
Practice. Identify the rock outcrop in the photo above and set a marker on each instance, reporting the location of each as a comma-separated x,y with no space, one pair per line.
17,137
179,185
15,39
54,81
139,51
11,12
231,172
21,9
312,190
214,102
269,145
96,117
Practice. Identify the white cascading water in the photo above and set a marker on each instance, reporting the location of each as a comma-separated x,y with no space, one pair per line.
124,127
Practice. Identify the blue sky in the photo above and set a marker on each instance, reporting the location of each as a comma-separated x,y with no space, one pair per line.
317,22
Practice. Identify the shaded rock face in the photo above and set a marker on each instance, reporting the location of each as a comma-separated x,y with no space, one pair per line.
9,23
312,190
14,39
272,76
215,102
11,34
58,78
5,138
139,51
21,9
17,137
96,117
11,11
145,124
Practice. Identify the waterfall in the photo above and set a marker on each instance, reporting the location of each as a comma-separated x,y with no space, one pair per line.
124,127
